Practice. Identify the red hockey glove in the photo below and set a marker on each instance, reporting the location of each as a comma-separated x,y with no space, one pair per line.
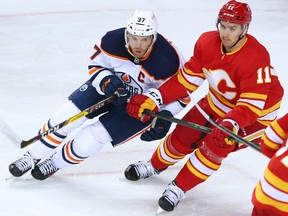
112,85
220,138
152,100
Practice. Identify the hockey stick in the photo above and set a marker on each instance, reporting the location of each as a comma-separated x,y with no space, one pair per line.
204,129
231,134
178,121
85,112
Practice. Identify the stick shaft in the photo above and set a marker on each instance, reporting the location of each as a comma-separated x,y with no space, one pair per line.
85,112
204,129
178,121
236,137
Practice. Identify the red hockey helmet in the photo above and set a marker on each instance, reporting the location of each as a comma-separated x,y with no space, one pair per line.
236,12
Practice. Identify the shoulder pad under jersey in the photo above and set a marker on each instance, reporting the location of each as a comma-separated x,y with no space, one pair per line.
113,42
162,63
164,60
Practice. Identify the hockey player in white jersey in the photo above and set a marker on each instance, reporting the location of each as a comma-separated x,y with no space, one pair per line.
126,61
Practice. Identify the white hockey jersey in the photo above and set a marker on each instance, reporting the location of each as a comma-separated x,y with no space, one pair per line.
138,75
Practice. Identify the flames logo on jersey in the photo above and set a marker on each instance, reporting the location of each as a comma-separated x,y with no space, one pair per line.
131,85
220,81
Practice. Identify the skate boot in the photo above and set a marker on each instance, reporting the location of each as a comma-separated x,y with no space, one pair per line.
140,170
22,165
171,197
44,169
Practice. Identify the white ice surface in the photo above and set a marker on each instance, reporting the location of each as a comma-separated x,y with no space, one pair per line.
44,50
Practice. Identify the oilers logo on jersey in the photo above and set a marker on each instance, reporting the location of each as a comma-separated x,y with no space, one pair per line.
83,88
131,85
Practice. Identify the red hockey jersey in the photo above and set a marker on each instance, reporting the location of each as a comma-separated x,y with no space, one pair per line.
243,86
272,190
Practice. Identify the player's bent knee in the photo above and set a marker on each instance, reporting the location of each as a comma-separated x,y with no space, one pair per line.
90,139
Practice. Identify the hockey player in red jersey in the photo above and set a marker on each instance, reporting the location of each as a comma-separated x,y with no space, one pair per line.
270,197
126,61
244,96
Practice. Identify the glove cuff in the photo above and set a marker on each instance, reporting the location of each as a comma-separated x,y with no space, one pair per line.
98,79
155,95
234,123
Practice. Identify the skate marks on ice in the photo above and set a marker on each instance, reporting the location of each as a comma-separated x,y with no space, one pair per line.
203,205
8,132
102,184
100,187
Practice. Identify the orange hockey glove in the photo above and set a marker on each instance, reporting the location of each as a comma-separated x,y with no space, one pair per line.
220,138
152,100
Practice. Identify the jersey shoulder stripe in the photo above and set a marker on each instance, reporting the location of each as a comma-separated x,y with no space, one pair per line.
163,62
113,43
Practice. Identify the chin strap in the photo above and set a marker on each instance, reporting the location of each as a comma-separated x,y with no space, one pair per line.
242,35
239,39
128,47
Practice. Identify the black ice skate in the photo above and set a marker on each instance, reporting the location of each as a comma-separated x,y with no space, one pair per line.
140,170
22,165
44,169
171,197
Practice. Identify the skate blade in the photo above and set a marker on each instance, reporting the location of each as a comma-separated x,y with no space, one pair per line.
122,178
10,177
26,178
160,211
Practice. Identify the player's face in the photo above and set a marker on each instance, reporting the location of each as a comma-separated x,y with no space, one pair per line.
139,45
229,35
